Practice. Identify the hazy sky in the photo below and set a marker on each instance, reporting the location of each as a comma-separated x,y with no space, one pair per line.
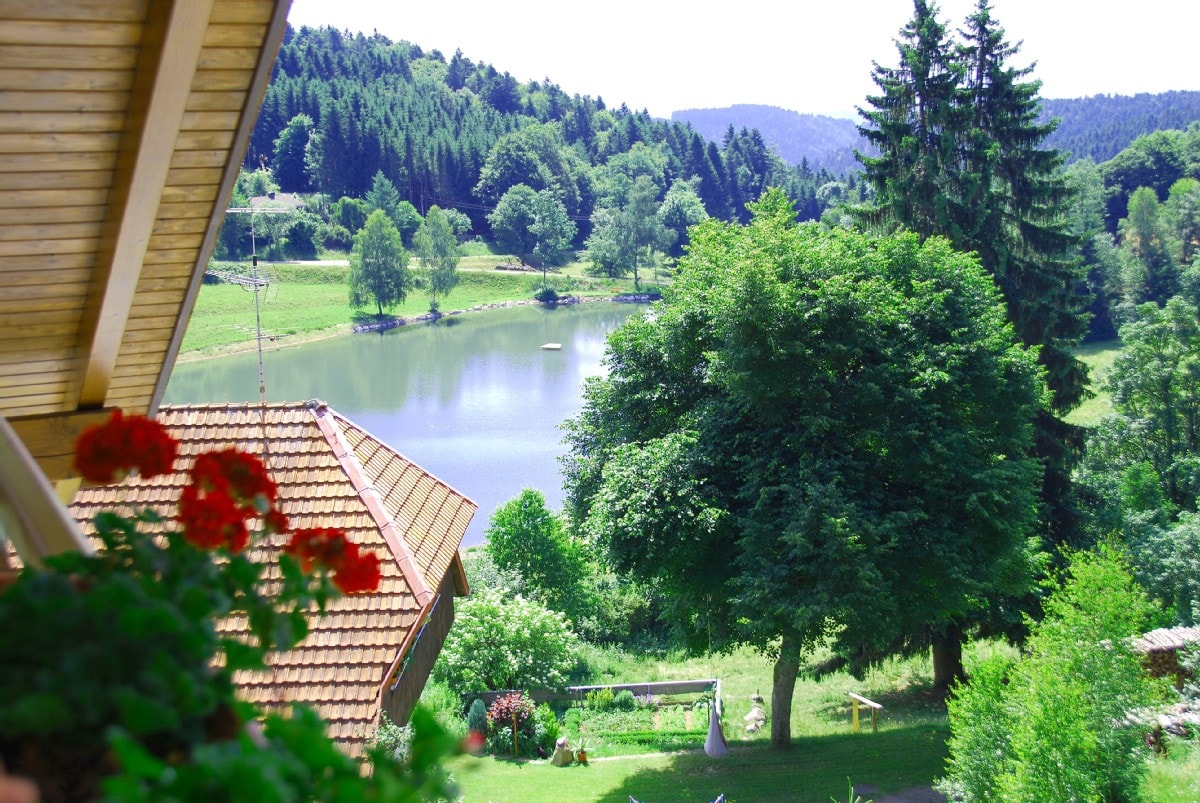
665,55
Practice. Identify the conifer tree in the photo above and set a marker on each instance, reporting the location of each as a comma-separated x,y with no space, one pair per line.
917,124
959,140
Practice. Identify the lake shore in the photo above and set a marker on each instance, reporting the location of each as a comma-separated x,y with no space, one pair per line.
275,343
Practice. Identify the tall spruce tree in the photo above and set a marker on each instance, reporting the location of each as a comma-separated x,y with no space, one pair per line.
960,156
916,124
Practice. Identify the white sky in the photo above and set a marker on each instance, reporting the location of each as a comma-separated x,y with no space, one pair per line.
815,57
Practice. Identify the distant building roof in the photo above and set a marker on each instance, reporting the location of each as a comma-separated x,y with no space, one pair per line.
277,200
1168,639
330,472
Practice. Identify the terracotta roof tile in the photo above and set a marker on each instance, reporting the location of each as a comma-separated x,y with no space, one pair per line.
341,667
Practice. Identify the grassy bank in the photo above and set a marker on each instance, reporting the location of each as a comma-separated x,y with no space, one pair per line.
1099,359
306,301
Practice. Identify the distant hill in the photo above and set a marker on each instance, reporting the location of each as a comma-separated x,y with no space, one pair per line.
1100,126
827,142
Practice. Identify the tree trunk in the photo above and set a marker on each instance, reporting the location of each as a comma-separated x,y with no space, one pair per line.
947,657
787,667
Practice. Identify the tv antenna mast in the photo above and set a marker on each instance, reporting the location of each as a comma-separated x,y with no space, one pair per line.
257,284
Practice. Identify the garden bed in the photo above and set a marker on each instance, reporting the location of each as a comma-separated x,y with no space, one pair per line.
626,725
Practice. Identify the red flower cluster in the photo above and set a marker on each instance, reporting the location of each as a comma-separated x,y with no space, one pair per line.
353,571
108,452
228,489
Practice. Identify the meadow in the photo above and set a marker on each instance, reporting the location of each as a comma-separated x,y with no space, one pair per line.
824,761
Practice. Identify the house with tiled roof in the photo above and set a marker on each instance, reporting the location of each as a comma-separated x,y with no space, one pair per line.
369,653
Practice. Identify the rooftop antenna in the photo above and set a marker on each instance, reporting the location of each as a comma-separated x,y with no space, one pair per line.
256,284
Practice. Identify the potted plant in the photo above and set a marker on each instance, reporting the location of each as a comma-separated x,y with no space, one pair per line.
581,750
115,680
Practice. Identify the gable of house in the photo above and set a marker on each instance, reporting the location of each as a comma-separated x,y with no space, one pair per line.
330,473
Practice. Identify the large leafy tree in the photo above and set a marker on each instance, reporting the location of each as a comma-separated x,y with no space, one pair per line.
815,435
438,250
378,264
534,225
960,156
552,230
528,538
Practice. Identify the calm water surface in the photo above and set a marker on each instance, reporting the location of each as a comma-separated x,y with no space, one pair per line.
473,399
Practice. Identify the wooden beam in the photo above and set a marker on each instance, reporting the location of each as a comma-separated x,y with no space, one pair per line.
170,51
31,514
50,439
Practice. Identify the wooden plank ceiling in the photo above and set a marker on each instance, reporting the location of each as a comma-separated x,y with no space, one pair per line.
122,126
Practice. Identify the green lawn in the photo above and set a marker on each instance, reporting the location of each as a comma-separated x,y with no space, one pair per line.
814,769
908,751
1099,359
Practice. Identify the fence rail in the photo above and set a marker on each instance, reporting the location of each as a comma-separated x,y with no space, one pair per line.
578,693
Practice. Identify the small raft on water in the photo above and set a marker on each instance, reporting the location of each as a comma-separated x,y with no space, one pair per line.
551,346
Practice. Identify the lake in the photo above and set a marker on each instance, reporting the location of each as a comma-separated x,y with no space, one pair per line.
473,398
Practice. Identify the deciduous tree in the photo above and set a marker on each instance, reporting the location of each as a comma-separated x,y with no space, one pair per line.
815,435
438,250
528,538
378,264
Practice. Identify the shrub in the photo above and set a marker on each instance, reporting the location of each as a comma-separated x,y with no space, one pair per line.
393,740
546,295
623,700
506,642
545,728
477,717
507,712
1054,725
600,699
483,573
446,706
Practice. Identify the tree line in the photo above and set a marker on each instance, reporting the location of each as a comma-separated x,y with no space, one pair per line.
460,134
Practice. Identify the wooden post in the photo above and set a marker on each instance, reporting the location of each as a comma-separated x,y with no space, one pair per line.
854,708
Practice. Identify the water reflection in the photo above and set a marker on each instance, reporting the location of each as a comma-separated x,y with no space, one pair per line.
474,398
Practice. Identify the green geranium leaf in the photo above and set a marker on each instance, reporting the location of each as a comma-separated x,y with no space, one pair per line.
239,655
142,714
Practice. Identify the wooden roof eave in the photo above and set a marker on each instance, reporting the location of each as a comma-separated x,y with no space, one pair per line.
170,51
248,117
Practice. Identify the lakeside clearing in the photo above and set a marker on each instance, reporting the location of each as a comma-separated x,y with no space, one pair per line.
308,301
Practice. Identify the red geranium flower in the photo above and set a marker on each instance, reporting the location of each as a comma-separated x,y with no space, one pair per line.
353,571
107,452
359,573
322,546
242,476
212,520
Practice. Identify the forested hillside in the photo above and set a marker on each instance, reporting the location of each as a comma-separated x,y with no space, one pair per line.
460,134
1101,126
1096,127
825,142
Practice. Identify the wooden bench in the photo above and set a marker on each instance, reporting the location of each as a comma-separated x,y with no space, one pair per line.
857,700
